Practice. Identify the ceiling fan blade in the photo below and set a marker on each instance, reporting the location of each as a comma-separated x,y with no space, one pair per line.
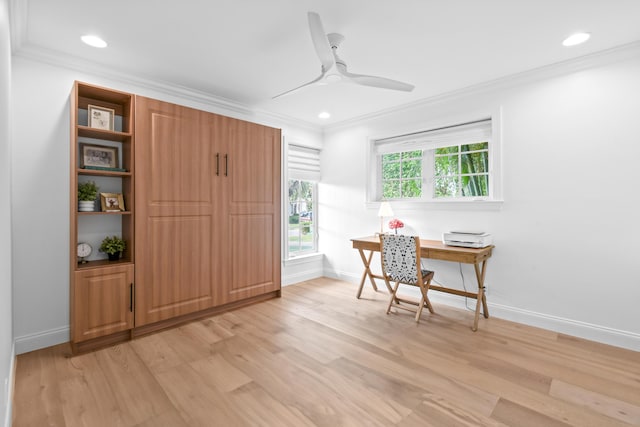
320,41
300,87
380,82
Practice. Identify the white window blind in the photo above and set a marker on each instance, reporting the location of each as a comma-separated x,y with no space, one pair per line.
465,133
303,163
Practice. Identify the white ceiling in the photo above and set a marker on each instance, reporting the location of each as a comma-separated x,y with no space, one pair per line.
248,51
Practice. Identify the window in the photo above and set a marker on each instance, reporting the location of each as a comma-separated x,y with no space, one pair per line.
451,163
301,228
402,174
303,170
462,170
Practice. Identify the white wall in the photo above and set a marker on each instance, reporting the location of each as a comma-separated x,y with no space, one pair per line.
6,333
41,186
569,148
566,236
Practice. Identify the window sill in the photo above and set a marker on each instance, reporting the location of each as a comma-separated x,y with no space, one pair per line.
304,259
458,205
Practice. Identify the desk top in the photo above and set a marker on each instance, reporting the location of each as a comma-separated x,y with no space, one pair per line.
433,249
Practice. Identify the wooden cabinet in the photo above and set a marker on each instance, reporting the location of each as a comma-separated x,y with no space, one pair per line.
207,210
175,212
206,213
251,216
103,301
110,133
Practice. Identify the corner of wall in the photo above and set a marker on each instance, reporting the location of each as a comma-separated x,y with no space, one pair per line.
8,388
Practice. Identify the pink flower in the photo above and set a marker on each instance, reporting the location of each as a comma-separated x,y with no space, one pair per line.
395,223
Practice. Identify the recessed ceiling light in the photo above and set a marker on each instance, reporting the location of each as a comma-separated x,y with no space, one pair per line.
94,41
324,115
575,39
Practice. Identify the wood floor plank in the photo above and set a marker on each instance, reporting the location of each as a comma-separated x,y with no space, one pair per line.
136,391
320,357
512,414
597,402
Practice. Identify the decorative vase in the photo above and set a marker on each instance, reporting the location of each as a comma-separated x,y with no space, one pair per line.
114,257
86,205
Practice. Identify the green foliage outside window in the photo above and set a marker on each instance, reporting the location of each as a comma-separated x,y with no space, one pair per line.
462,170
458,171
402,175
300,232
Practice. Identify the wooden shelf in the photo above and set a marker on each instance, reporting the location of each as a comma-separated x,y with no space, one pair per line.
101,263
106,308
109,135
96,172
103,213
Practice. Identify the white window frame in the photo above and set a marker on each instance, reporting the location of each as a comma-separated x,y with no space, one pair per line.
302,174
493,200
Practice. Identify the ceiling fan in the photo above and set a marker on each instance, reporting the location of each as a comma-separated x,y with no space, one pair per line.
333,68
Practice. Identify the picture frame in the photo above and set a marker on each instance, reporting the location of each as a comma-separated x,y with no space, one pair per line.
112,202
98,156
101,117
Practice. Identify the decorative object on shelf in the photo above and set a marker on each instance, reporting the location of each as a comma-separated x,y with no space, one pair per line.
385,210
83,251
112,202
113,247
101,117
101,156
87,193
395,223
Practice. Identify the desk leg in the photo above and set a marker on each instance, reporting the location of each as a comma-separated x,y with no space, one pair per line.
481,299
367,272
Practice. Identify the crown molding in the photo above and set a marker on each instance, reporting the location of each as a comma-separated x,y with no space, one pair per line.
604,57
73,63
21,48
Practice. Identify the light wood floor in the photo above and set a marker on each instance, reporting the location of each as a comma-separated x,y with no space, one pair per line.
319,357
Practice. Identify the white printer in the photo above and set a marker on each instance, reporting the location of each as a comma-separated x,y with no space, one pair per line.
467,239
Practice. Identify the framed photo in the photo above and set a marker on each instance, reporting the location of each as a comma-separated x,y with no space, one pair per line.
100,156
101,117
112,202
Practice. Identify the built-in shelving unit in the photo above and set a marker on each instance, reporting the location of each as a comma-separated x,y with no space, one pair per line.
97,284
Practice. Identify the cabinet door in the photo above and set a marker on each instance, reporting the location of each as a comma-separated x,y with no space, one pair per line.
175,207
102,301
252,214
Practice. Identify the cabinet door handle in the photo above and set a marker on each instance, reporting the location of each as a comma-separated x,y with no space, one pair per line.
131,297
226,165
217,164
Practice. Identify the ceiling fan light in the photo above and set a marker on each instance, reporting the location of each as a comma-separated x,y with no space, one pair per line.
324,115
93,41
576,39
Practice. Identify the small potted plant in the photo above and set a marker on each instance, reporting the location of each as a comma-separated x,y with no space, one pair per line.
113,247
87,194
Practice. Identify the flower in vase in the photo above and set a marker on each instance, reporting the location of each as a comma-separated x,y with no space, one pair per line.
395,223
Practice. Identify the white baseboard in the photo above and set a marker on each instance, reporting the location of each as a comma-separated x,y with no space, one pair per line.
598,333
576,328
589,331
9,394
291,279
27,343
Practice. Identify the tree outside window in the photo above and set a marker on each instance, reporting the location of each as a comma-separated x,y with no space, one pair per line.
301,224
462,170
458,171
402,175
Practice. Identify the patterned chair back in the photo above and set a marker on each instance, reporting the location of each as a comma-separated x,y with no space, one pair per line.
400,257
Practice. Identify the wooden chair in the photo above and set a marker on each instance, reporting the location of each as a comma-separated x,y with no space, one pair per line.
400,256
